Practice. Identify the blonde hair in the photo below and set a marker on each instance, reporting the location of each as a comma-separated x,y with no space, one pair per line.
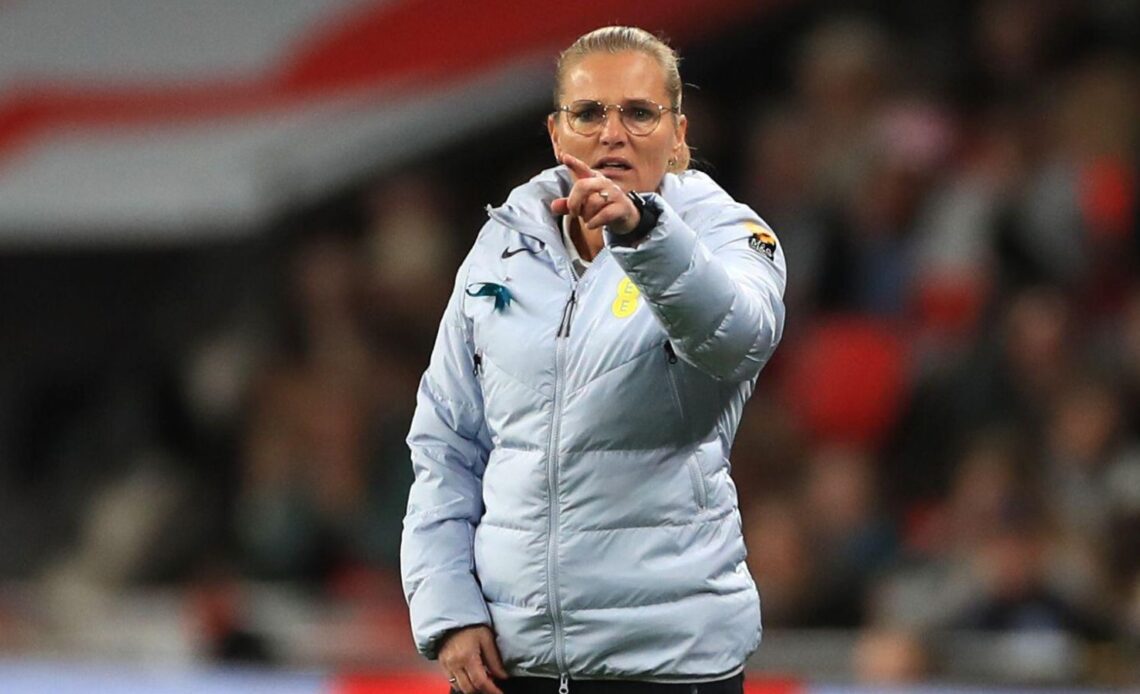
618,39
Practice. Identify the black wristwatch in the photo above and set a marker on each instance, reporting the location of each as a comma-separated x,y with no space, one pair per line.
650,213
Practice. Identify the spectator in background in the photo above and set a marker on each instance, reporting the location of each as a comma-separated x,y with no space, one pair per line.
890,658
780,180
1075,222
1017,591
934,580
1089,463
780,554
406,248
304,484
852,539
1006,381
826,129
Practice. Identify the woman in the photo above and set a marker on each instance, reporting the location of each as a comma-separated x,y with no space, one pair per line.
573,525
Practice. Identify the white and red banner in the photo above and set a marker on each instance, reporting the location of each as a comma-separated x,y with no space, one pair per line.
127,120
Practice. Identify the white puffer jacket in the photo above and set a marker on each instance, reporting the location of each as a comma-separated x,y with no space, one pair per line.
571,441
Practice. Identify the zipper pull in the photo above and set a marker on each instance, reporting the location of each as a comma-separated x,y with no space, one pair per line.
568,313
670,352
478,363
564,684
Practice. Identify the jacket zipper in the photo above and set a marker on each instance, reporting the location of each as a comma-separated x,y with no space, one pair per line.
552,476
671,356
696,477
568,313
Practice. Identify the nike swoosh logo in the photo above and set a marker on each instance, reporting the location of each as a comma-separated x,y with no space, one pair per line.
507,252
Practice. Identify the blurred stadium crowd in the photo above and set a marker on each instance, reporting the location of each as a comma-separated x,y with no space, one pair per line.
948,438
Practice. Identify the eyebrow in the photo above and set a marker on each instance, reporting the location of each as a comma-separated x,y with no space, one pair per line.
626,100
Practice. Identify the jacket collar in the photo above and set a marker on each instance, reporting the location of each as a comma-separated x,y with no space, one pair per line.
527,209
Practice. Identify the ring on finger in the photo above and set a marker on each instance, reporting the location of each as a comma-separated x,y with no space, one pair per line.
605,195
453,680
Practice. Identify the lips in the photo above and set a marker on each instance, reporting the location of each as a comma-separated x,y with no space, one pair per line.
612,165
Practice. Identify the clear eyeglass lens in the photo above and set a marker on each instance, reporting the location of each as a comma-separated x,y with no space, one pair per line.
638,117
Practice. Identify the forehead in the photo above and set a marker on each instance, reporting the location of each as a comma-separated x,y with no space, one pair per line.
613,77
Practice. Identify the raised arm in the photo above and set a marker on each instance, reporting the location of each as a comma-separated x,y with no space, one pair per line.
719,294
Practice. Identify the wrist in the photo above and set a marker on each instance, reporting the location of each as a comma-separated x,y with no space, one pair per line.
649,213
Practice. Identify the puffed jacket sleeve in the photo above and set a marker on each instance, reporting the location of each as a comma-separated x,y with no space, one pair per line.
718,293
449,449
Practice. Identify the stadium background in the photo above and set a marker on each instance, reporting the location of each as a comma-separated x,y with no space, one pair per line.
227,230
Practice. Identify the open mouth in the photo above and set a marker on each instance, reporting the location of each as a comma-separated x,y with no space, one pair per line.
612,165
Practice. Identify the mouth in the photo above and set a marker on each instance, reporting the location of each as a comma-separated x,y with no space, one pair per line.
612,166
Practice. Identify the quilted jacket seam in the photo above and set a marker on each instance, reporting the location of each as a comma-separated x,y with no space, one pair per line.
702,521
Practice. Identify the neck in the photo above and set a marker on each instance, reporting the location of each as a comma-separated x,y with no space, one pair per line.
589,242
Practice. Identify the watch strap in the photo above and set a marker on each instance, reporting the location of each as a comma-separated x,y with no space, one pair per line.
649,214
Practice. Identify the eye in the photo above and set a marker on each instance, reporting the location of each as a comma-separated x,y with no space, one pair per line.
642,113
587,113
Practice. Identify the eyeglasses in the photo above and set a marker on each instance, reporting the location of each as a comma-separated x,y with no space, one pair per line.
640,117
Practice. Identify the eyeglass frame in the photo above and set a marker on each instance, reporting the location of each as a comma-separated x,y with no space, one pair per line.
661,110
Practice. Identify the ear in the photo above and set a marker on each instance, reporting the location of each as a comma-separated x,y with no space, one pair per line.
681,132
552,128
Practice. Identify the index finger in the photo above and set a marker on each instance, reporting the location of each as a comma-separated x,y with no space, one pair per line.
578,167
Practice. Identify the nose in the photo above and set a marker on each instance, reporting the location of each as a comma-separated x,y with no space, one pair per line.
612,130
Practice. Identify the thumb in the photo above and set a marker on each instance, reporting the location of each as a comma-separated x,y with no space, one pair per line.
560,206
491,655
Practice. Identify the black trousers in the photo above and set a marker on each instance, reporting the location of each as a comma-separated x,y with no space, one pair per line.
545,685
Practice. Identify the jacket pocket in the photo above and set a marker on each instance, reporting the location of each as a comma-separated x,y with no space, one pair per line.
697,476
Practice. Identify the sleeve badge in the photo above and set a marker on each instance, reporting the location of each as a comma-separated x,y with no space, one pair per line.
763,241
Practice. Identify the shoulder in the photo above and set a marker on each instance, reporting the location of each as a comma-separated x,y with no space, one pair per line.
692,187
706,207
488,245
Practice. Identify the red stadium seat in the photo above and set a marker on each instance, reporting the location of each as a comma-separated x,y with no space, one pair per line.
846,379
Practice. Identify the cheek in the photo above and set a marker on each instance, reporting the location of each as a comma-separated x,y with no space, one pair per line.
577,149
657,156
651,174
665,148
